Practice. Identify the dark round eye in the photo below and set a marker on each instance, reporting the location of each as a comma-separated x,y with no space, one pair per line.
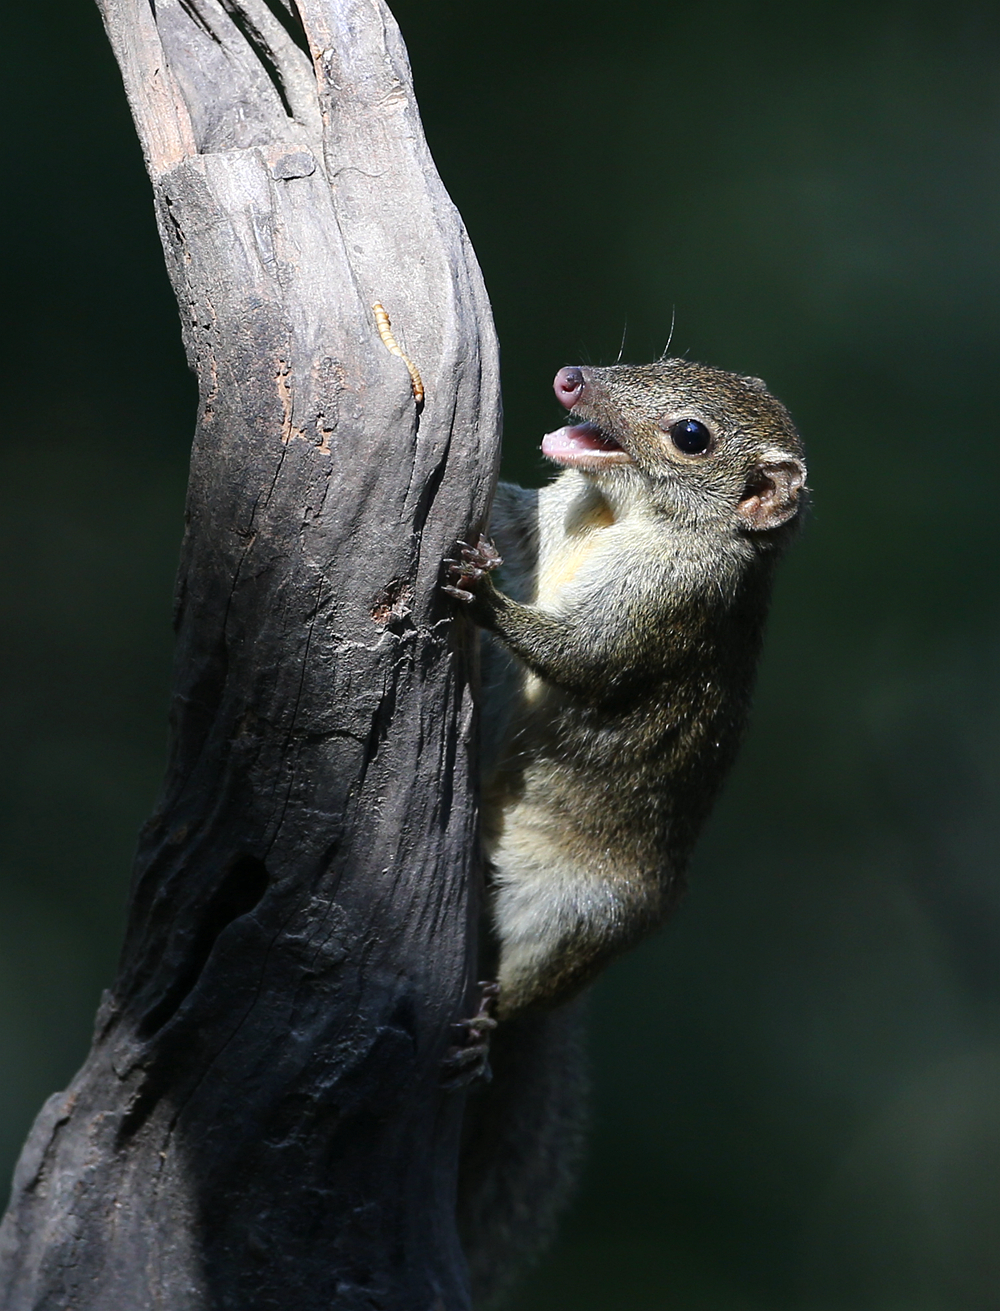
690,436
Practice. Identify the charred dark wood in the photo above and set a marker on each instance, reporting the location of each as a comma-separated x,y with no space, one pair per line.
259,1122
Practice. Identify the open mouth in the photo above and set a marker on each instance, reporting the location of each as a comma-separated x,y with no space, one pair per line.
583,445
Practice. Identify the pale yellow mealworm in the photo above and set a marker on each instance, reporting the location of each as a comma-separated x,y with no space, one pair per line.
385,332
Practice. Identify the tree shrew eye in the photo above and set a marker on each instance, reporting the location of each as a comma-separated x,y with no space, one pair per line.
690,437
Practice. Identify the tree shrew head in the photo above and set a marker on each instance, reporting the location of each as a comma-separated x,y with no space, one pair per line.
711,446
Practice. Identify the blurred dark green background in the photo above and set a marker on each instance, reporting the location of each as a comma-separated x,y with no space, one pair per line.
796,1083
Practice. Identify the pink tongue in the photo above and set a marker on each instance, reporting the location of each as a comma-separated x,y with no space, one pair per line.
576,440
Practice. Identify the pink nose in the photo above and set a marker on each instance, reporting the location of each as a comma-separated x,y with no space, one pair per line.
568,385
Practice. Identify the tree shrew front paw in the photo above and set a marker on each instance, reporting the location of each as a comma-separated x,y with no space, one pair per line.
468,1059
473,563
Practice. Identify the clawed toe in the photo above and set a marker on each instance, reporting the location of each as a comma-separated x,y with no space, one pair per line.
483,556
464,1065
475,562
468,1059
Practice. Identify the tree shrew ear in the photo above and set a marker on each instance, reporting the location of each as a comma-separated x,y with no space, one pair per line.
771,496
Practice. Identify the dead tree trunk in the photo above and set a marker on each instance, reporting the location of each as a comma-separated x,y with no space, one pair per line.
259,1123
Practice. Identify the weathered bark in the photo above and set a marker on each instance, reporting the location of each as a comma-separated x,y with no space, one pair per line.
259,1122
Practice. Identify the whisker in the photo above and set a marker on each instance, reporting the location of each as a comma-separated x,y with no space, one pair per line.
673,320
621,349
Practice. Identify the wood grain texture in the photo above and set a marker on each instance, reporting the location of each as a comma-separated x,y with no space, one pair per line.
259,1124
